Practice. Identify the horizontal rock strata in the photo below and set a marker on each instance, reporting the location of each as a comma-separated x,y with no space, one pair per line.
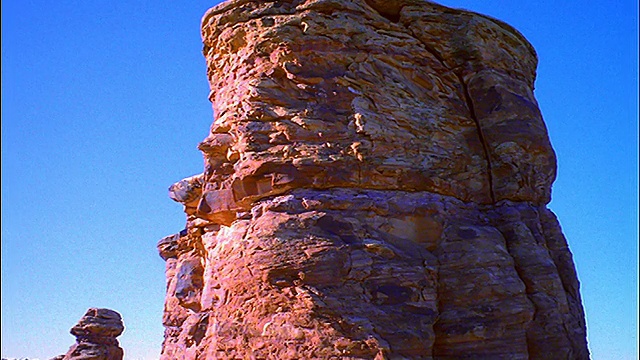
96,334
375,186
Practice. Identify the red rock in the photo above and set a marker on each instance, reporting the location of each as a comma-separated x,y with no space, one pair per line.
96,334
375,186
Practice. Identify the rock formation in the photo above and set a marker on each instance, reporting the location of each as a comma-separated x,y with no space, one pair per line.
375,187
96,334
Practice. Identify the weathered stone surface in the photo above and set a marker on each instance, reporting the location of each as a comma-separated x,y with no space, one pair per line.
375,186
96,334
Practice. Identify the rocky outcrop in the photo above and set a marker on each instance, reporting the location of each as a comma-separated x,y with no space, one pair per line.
375,186
96,334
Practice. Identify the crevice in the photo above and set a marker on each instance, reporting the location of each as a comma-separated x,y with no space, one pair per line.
469,101
485,148
390,10
529,292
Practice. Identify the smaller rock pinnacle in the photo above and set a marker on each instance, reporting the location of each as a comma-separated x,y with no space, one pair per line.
96,334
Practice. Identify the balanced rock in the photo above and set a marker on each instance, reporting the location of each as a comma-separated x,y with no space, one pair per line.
375,187
96,334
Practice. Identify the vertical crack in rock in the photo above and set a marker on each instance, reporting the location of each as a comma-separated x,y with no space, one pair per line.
485,148
392,12
472,111
374,187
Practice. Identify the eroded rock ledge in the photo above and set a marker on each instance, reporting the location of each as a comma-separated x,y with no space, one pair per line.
375,186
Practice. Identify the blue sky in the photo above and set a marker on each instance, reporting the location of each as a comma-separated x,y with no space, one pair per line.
104,102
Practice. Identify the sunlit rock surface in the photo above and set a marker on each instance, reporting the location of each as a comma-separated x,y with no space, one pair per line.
375,187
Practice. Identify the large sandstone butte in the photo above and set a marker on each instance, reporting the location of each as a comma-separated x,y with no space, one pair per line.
375,187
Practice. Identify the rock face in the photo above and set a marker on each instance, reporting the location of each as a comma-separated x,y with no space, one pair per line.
96,334
375,187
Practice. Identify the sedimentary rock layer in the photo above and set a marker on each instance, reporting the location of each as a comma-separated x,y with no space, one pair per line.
375,186
96,334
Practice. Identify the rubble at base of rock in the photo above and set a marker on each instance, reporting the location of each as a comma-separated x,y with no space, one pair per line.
375,187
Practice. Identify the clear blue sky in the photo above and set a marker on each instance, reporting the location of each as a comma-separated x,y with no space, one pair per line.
104,102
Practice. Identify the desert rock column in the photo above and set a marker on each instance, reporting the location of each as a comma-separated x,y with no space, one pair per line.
96,336
375,186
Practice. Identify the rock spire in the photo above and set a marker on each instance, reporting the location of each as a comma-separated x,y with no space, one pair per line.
375,187
96,334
